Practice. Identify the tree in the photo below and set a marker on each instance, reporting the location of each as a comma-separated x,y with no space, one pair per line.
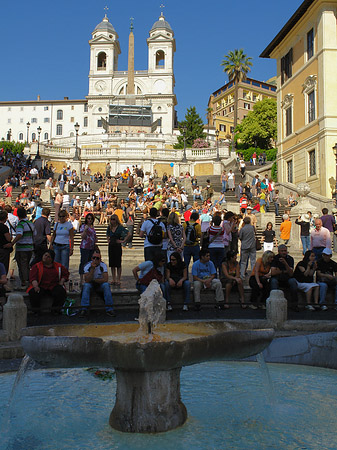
236,65
194,128
260,125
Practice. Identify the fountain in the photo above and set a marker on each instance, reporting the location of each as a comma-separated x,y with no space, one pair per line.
147,358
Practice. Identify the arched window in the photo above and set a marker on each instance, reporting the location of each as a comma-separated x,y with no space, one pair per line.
160,59
122,91
59,114
21,137
71,134
59,130
139,91
46,136
101,61
33,136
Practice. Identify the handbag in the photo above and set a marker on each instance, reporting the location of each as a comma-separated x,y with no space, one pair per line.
258,245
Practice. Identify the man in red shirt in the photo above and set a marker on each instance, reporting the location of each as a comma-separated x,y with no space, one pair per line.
243,203
187,213
47,277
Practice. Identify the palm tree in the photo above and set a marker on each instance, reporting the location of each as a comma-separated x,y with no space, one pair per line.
236,65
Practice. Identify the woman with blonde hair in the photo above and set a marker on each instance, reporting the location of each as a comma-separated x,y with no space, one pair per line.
176,235
260,278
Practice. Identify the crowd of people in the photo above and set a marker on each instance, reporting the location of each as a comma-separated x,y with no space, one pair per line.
181,221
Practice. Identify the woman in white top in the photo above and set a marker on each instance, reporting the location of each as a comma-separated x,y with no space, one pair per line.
63,239
231,180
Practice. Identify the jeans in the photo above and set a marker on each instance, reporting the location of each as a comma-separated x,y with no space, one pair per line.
224,186
174,204
217,255
62,252
276,209
100,288
187,291
291,283
150,252
142,288
189,251
245,254
305,243
23,260
323,289
198,197
86,254
318,252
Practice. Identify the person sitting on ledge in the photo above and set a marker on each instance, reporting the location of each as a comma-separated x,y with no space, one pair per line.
47,277
282,274
96,277
204,274
177,278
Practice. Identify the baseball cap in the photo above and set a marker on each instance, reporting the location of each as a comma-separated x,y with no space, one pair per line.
327,251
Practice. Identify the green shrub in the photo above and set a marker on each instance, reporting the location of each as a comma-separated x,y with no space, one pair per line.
12,146
248,153
274,171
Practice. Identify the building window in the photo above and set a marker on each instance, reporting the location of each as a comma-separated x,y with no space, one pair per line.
33,136
21,137
246,105
222,127
59,130
99,123
86,107
85,121
46,108
287,66
72,119
34,108
311,106
231,109
290,171
9,108
59,115
21,108
72,107
9,120
46,136
34,120
255,98
310,44
160,59
312,163
232,130
289,120
46,120
101,61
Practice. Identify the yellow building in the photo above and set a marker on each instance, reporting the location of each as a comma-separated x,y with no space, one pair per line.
306,54
221,103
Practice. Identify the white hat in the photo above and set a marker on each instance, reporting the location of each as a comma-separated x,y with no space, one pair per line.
77,197
305,218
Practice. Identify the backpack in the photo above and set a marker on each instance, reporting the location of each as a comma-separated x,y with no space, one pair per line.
191,234
155,236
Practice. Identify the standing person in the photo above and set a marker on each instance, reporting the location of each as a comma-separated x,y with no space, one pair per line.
63,239
47,277
328,221
216,234
130,215
260,278
319,238
242,165
116,236
254,158
177,278
304,222
12,222
334,212
176,235
224,180
34,174
24,245
285,229
231,180
276,200
57,205
268,237
192,231
62,179
248,246
42,235
88,242
153,240
5,239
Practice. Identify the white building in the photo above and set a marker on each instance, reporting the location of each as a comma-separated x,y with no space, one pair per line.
113,105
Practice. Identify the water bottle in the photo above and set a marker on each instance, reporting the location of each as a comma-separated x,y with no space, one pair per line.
70,286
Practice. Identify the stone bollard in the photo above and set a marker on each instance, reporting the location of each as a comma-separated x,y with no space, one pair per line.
277,309
14,316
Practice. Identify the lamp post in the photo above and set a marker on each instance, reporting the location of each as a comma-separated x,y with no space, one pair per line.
184,136
334,148
217,145
38,143
77,127
28,125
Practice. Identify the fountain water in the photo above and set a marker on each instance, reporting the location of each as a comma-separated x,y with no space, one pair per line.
147,366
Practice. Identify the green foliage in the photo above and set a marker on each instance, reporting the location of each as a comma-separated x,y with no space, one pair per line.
236,65
274,171
248,153
194,128
12,146
260,125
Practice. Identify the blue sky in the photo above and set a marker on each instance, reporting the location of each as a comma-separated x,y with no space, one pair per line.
45,46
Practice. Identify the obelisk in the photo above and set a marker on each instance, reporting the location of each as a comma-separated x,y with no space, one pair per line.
131,67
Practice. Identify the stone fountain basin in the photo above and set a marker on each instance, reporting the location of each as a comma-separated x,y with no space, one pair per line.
120,346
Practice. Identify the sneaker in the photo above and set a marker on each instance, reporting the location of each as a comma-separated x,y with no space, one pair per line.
111,313
252,307
185,308
83,314
324,308
310,308
335,308
169,307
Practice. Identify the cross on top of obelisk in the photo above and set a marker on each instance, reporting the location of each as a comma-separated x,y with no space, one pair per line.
131,23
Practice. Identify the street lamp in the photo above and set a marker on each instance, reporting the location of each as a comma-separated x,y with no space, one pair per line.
38,143
335,153
77,127
217,144
28,125
184,136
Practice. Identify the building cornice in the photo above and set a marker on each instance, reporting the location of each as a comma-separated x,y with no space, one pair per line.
42,102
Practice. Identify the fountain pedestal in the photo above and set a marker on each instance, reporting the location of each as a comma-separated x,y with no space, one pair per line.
148,402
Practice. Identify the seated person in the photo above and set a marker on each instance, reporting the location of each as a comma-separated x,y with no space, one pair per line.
304,275
47,277
177,278
152,269
96,277
326,277
204,273
231,270
282,272
260,278
3,280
